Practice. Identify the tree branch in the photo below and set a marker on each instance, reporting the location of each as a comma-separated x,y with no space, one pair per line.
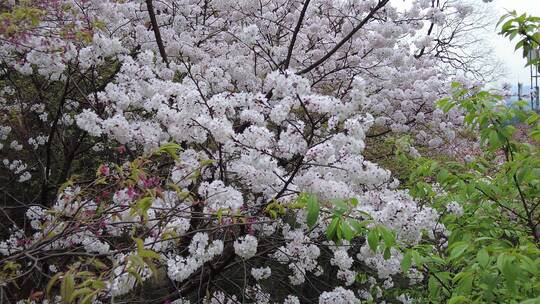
155,28
45,184
380,5
295,34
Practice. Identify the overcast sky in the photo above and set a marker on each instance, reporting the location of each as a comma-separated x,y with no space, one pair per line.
502,47
505,49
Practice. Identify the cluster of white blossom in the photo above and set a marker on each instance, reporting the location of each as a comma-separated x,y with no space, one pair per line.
40,140
291,300
246,246
299,255
343,262
218,196
18,168
261,273
123,282
338,295
397,210
201,251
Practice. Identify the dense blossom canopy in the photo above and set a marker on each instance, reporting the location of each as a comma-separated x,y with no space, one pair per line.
266,100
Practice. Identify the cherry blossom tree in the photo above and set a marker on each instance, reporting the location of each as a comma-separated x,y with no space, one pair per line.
213,150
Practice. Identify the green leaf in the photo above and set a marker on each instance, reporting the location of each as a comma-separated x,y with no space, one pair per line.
67,287
88,298
494,139
507,25
136,275
373,239
219,214
331,229
388,236
359,227
434,287
97,284
482,257
442,176
417,259
535,135
523,173
510,272
456,85
348,233
458,300
80,293
136,260
142,206
147,253
458,249
529,265
532,118
406,262
387,254
53,281
503,17
520,44
169,148
465,281
313,211
140,244
536,37
207,162
339,232
340,206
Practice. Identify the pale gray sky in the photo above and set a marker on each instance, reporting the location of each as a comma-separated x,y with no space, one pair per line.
502,47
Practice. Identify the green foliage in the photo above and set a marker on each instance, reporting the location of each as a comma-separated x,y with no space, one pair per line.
345,222
20,18
313,210
77,286
170,148
275,209
493,253
527,28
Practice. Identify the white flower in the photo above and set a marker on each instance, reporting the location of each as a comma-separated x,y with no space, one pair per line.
179,268
249,34
261,273
338,295
53,268
90,122
15,145
218,196
24,177
246,246
290,299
